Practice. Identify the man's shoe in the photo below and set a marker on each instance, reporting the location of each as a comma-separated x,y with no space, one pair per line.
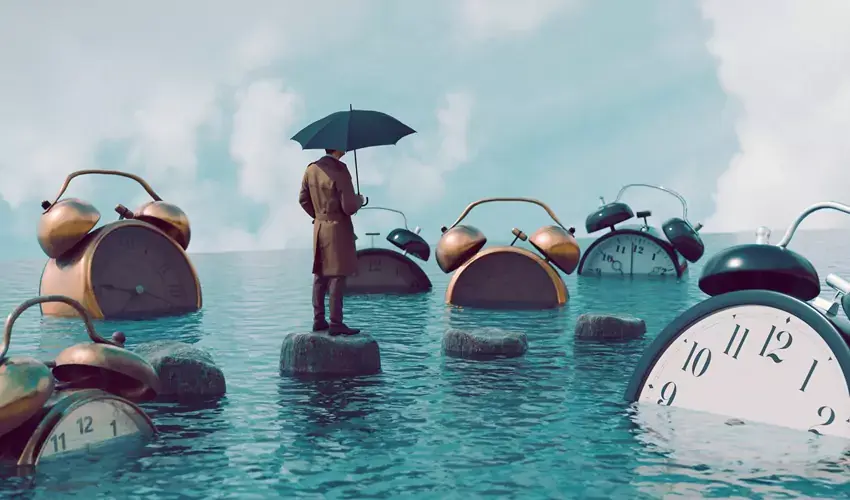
342,329
320,326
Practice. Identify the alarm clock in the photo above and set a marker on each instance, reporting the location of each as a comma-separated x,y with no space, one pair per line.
507,277
135,267
765,347
85,401
384,271
640,250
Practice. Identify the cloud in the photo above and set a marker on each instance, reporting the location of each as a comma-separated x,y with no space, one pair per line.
787,64
270,166
79,78
417,180
487,19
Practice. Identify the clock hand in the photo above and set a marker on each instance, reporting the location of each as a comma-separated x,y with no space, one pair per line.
632,260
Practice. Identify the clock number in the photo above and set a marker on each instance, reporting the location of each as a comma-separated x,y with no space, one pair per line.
639,249
827,413
85,424
114,426
740,342
58,441
621,249
653,256
809,375
163,269
703,354
374,265
668,394
175,291
774,357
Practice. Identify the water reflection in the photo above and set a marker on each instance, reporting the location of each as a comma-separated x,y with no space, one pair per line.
713,455
59,333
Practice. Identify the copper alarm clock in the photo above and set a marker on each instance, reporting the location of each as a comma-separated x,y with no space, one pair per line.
507,276
81,403
135,267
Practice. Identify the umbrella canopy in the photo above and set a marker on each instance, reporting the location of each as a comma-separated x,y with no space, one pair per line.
352,130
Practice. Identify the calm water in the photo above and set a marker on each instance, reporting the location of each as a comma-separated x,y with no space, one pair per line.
552,424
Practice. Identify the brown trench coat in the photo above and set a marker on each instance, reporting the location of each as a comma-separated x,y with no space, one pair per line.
328,196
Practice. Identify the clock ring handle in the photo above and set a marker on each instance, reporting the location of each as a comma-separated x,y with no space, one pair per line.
660,188
388,210
46,205
490,200
13,316
834,205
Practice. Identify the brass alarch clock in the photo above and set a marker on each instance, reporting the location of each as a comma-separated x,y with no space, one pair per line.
132,268
82,402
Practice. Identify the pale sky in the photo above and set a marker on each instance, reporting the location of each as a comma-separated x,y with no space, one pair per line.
743,107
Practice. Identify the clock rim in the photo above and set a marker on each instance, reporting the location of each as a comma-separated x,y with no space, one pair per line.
804,311
680,267
385,252
558,282
88,260
71,400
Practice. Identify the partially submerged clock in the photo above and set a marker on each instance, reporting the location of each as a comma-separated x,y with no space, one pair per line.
640,250
79,403
383,271
135,267
507,277
765,347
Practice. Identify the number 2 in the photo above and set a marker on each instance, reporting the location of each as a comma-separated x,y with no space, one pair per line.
829,419
85,424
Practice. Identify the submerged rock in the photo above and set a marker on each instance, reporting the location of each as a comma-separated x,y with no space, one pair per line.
317,353
484,343
609,327
185,371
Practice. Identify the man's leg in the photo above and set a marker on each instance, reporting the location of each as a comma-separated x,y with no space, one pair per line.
337,289
320,289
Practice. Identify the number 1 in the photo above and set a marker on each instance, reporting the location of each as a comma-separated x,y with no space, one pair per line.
114,428
809,375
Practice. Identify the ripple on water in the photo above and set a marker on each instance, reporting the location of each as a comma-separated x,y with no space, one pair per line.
550,424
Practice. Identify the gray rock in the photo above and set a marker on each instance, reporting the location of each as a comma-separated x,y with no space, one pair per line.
184,370
609,327
735,421
317,353
483,343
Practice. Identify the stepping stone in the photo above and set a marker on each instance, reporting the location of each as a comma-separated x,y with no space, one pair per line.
317,353
484,343
609,327
185,371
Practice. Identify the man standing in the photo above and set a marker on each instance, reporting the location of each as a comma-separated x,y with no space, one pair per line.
327,196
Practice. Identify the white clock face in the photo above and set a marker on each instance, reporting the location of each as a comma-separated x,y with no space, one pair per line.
755,363
90,424
629,254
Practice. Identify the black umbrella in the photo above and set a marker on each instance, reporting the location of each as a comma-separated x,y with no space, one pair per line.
352,130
